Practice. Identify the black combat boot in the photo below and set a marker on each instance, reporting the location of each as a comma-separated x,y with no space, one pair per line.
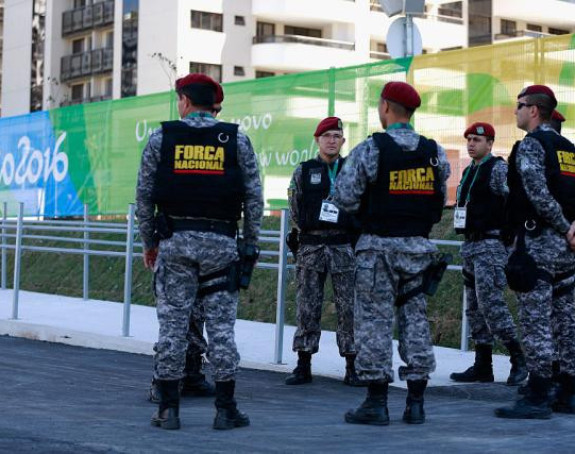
481,371
351,378
373,410
414,413
194,383
302,373
518,371
533,405
168,414
564,401
228,416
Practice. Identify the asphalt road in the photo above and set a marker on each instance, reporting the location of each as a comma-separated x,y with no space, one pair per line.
62,399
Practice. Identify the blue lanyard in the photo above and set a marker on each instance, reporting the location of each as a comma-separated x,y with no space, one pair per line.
464,179
332,174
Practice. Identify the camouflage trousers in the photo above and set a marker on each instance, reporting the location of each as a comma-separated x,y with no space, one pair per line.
548,311
181,261
487,312
313,265
380,278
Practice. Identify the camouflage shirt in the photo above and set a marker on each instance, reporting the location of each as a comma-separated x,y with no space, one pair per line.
145,207
361,169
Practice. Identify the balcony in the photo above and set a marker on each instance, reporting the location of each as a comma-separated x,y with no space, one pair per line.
375,55
76,101
300,53
86,64
519,34
305,12
87,18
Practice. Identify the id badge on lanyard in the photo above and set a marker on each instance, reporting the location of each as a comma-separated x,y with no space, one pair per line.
460,217
329,212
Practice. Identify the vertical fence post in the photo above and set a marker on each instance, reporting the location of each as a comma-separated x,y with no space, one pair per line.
86,274
4,278
281,287
128,272
464,324
17,260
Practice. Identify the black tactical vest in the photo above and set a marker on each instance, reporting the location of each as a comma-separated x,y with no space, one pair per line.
407,197
485,210
315,189
198,175
559,173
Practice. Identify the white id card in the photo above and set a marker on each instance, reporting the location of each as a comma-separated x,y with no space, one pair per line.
459,217
329,212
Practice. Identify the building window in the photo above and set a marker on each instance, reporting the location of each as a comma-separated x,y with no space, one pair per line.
558,31
108,87
454,9
129,82
302,31
214,71
79,3
262,74
378,47
534,28
78,92
78,46
239,71
207,21
508,27
265,29
239,20
109,40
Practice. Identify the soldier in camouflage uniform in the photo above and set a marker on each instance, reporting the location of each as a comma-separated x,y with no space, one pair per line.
541,268
325,247
397,182
200,174
194,383
479,215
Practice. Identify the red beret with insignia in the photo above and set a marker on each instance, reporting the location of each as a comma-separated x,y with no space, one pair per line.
327,124
538,90
557,116
401,93
480,129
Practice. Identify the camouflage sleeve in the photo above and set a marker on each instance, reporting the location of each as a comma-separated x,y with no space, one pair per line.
145,207
531,165
359,170
295,194
444,170
498,181
254,204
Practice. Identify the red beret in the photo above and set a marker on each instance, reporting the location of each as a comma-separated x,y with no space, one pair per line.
538,90
219,94
480,129
557,116
401,93
200,79
328,124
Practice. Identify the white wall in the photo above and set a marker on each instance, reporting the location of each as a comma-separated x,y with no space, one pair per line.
157,33
17,57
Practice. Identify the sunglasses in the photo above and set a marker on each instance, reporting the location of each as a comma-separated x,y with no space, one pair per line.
520,105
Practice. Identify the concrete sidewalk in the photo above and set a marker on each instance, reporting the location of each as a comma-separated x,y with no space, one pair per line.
98,324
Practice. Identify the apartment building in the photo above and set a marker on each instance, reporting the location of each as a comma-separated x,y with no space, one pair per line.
63,52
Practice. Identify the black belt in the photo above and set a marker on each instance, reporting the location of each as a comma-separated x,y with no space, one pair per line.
315,240
204,225
478,236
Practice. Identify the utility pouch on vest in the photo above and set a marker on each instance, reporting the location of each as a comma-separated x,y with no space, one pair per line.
249,254
292,241
163,227
521,269
435,272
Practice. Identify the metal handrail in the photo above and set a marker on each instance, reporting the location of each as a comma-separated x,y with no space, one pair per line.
13,238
